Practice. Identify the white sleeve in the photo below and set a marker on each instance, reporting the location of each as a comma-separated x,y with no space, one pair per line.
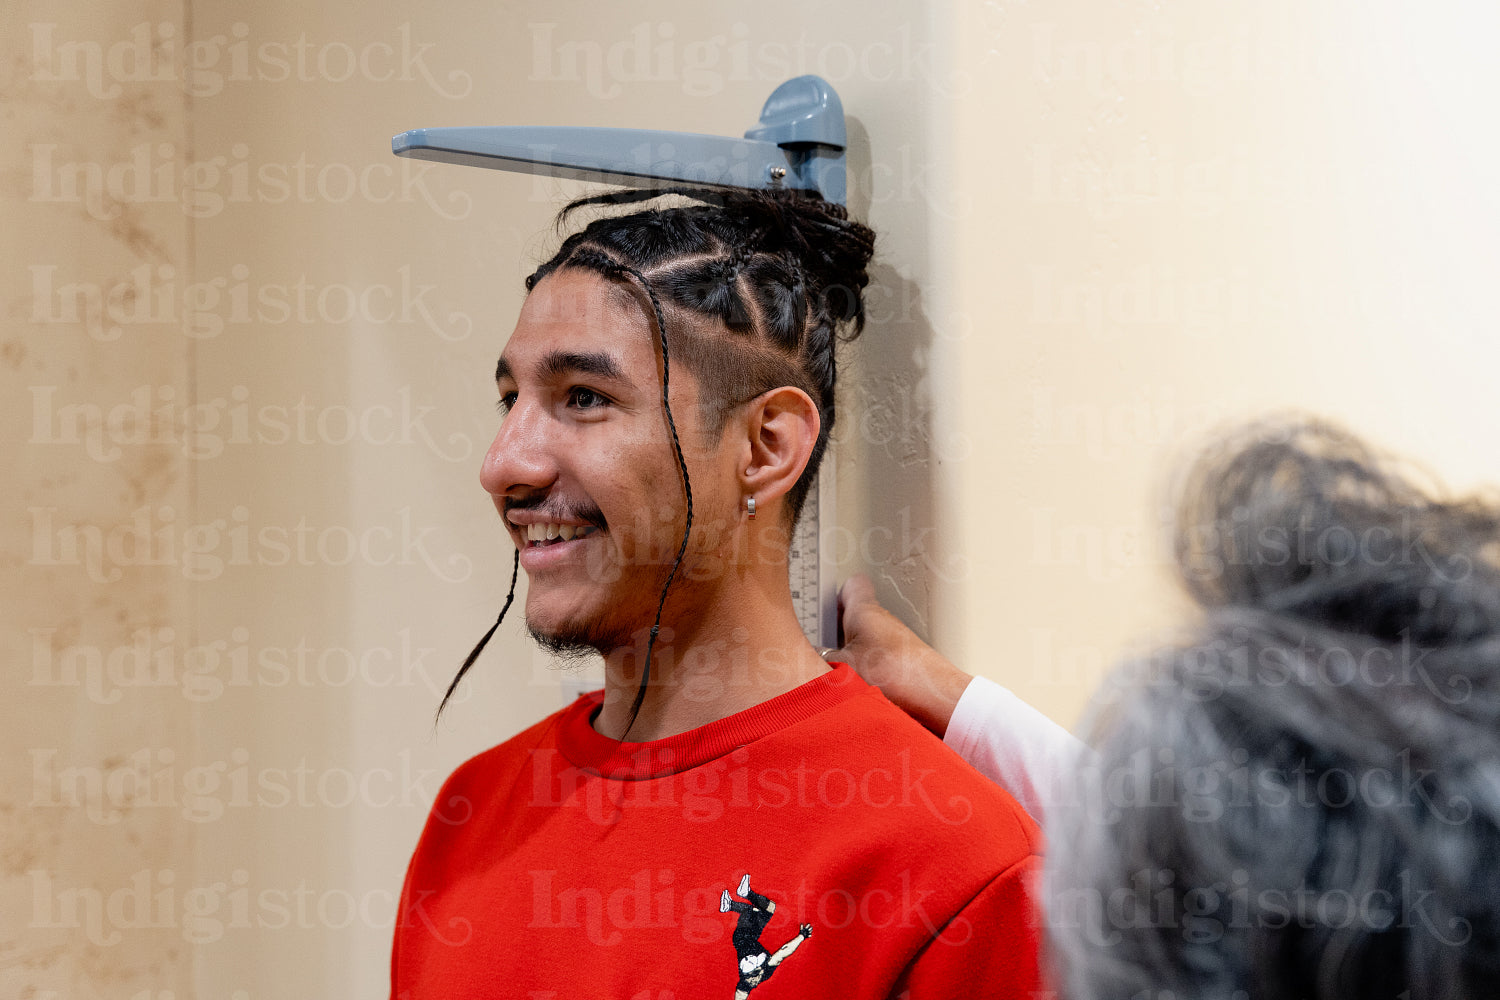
1013,745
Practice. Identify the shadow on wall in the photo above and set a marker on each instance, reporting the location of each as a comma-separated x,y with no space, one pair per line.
887,522
887,453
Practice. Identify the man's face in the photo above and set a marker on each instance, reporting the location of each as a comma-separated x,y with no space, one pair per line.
584,451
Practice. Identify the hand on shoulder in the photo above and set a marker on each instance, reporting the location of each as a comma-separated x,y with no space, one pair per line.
888,655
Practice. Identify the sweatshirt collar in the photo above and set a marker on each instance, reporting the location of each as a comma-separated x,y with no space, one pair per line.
593,752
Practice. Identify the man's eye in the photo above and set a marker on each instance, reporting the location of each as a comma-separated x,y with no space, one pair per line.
507,400
585,399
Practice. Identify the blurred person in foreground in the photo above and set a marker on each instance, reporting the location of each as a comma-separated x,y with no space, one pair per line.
1301,797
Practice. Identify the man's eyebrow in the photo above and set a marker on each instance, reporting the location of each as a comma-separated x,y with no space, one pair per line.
595,363
557,364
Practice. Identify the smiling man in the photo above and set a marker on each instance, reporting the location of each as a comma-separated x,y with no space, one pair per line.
668,393
587,453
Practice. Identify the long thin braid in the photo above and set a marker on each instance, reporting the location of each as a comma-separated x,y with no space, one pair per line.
589,257
515,571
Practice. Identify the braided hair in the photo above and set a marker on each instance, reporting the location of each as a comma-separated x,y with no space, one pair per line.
764,284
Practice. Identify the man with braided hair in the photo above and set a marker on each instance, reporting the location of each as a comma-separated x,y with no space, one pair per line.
668,394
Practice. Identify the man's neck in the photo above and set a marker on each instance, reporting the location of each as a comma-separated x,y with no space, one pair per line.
733,657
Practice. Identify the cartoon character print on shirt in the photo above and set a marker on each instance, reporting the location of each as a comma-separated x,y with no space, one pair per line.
756,964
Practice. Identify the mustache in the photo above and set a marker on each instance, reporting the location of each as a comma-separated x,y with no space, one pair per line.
557,508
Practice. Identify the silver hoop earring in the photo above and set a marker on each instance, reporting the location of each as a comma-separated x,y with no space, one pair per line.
750,507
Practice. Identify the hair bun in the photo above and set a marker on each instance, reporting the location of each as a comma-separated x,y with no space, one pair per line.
1299,517
829,252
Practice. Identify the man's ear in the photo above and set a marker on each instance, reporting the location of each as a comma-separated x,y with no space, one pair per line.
781,428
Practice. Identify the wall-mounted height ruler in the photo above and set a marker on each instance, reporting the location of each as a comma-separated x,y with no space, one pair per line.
814,585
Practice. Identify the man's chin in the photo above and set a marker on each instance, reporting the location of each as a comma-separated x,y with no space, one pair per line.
574,640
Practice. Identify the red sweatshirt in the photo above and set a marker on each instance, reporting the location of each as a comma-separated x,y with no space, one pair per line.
821,844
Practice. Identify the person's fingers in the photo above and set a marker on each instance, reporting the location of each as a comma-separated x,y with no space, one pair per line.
857,590
856,602
890,656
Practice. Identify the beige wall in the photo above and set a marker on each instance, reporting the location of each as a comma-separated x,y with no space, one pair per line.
1179,214
78,757
1104,228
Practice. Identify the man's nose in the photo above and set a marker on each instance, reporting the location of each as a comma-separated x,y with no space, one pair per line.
520,458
